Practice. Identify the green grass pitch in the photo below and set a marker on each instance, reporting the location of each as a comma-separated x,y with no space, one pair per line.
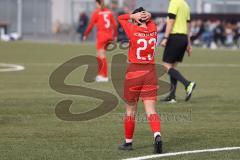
30,130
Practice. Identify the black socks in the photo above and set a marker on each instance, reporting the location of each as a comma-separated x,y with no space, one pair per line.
178,76
173,87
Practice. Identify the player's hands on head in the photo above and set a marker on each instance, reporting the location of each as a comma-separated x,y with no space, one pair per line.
146,16
137,17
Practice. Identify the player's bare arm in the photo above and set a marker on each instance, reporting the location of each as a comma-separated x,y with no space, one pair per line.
90,26
189,48
170,24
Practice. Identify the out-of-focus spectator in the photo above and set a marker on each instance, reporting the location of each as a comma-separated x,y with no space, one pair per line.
219,36
207,36
214,34
126,10
5,36
229,32
197,29
115,9
56,27
82,24
121,34
237,35
161,27
4,25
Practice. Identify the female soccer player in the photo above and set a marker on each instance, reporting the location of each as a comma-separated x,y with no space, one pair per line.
141,79
106,32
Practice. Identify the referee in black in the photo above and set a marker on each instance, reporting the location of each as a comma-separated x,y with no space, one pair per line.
176,41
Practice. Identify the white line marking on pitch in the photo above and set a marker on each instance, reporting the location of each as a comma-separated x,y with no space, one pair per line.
183,153
201,65
209,65
10,67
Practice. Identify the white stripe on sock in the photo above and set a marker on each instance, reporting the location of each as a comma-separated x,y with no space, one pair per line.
129,140
157,134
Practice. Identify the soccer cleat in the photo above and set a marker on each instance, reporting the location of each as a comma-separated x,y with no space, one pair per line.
126,146
169,99
190,88
101,79
158,145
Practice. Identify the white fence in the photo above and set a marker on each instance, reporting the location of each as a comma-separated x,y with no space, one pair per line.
27,16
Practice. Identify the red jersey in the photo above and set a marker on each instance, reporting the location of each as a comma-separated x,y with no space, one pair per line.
105,22
142,40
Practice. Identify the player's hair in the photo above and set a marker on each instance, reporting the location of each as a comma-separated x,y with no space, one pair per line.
101,3
140,9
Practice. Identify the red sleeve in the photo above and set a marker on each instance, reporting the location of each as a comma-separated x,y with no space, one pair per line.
114,23
91,24
126,25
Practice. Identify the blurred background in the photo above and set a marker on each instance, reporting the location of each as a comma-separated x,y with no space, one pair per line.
215,23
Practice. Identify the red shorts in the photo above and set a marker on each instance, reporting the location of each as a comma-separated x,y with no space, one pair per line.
140,82
103,40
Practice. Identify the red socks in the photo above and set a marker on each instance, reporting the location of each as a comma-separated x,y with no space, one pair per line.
105,67
129,125
102,67
155,124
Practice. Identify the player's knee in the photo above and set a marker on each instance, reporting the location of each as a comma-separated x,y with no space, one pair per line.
167,66
101,56
131,113
131,110
150,111
101,53
150,107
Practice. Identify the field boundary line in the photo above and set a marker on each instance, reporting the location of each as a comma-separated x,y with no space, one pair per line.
180,65
209,65
183,153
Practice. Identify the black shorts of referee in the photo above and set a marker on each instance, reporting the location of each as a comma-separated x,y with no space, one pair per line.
175,48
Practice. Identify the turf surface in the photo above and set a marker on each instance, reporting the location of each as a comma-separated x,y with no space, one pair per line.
29,128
